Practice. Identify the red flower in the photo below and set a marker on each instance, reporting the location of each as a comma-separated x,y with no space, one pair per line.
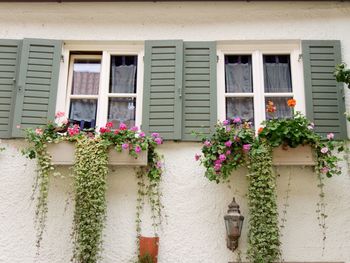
260,129
116,131
291,103
109,124
103,130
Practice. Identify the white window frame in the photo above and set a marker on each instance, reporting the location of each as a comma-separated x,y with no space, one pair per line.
108,49
257,49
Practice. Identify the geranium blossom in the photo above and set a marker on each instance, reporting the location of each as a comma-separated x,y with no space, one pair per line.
330,136
59,114
237,120
138,149
158,140
109,124
155,134
226,122
207,143
324,150
39,131
222,157
228,144
197,156
125,146
123,126
246,147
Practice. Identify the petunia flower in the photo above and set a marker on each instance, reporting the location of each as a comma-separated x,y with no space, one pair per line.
123,126
228,143
246,147
324,150
197,156
125,146
330,136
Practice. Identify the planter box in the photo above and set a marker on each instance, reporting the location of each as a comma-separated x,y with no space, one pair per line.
63,154
301,155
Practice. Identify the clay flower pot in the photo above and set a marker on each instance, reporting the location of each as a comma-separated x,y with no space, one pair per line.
149,245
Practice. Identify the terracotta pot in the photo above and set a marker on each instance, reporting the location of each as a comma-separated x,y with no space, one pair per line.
149,245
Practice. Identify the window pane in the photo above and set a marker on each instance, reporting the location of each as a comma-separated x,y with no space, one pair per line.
240,107
282,109
123,74
122,110
238,73
277,73
83,111
86,76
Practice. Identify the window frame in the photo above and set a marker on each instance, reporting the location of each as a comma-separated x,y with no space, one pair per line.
256,49
107,49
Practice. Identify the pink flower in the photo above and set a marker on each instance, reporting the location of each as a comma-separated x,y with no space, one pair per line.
116,131
311,126
228,128
18,126
142,134
325,170
228,152
228,144
125,146
123,126
207,143
39,131
217,167
246,147
64,122
59,114
217,161
324,150
226,122
109,124
158,140
330,136
237,120
155,134
197,156
135,129
222,157
73,130
104,130
138,149
159,164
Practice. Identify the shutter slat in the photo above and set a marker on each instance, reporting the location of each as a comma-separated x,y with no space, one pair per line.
324,98
199,107
9,58
162,86
38,79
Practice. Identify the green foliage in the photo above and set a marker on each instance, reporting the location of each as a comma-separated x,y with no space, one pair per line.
90,173
233,144
263,235
342,74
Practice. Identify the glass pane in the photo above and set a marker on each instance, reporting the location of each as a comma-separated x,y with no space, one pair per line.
277,74
83,111
86,76
122,110
240,107
123,74
282,109
238,73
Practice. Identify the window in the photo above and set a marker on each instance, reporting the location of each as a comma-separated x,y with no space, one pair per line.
252,74
104,85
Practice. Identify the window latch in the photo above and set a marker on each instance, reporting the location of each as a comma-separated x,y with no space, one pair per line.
180,91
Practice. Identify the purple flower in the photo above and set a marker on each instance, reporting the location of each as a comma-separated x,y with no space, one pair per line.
158,140
325,170
207,143
125,146
142,134
330,136
159,164
217,161
222,157
324,150
228,144
237,120
135,129
228,152
197,156
138,149
246,147
228,128
155,134
226,122
217,167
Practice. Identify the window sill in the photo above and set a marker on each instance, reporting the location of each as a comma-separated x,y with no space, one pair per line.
301,155
63,154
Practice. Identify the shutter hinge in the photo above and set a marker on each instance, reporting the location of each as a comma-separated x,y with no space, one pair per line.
300,57
62,58
217,59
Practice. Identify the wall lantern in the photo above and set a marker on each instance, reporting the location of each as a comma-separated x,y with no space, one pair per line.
234,223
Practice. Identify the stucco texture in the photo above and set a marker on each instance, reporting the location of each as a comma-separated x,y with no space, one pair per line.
193,231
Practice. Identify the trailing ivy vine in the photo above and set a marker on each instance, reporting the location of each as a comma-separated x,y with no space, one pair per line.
90,170
263,233
90,174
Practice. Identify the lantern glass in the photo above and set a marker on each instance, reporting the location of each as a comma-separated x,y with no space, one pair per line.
233,226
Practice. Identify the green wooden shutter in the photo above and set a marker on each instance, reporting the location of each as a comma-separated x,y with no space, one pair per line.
199,105
9,53
324,96
37,84
162,106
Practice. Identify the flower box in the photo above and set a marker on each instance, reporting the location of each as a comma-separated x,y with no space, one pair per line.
301,155
62,153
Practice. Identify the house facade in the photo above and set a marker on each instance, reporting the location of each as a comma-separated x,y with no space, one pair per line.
171,67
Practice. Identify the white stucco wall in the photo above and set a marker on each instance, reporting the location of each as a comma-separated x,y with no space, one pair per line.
194,231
